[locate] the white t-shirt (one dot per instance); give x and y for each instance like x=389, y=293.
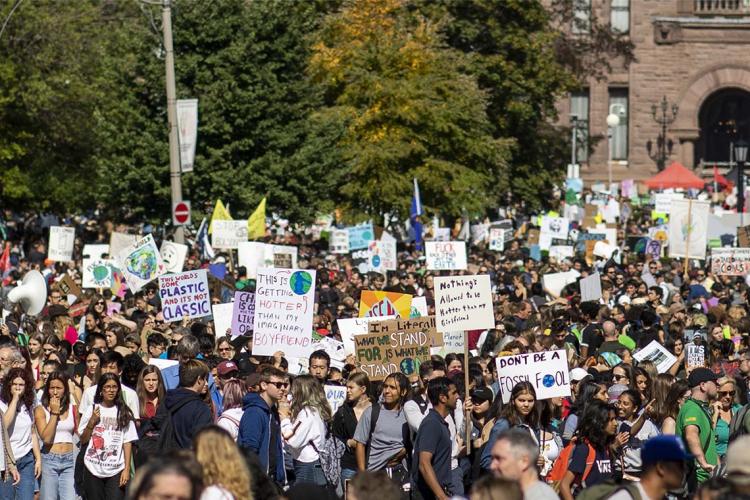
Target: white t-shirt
x=105, y=455
x=128, y=395
x=20, y=431
x=215, y=492
x=230, y=421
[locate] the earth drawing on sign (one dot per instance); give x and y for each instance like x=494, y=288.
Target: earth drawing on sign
x=142, y=263
x=300, y=282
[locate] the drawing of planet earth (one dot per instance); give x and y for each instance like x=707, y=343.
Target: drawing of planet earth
x=300, y=282
x=142, y=263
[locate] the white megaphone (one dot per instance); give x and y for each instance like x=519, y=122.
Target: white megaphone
x=31, y=293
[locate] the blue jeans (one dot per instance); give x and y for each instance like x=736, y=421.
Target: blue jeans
x=57, y=476
x=347, y=474
x=309, y=472
x=24, y=490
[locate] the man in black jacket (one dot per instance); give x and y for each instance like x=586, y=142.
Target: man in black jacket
x=187, y=405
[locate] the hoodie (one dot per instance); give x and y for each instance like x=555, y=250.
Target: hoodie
x=190, y=414
x=255, y=434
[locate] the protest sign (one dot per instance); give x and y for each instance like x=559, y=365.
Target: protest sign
x=280, y=256
x=442, y=234
x=591, y=288
x=380, y=354
x=336, y=396
x=730, y=261
x=425, y=324
x=61, y=241
x=349, y=327
x=452, y=342
x=97, y=273
x=284, y=301
x=335, y=349
x=696, y=356
x=555, y=227
x=243, y=311
x=184, y=295
x=720, y=225
x=497, y=239
x=418, y=307
x=383, y=256
x=69, y=288
x=604, y=250
x=743, y=236
x=445, y=255
x=251, y=255
x=282, y=261
x=360, y=236
x=663, y=202
x=141, y=263
x=463, y=303
x=555, y=282
x=547, y=371
x=173, y=254
x=228, y=234
x=695, y=213
x=222, y=314
x=339, y=242
x=377, y=303
x=119, y=242
x=653, y=248
x=660, y=356
x=561, y=252
x=95, y=251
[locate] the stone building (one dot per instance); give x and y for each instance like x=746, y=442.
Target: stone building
x=694, y=53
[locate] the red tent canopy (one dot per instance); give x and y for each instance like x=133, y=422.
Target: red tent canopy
x=675, y=176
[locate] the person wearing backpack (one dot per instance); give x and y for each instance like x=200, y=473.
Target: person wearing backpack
x=303, y=427
x=185, y=407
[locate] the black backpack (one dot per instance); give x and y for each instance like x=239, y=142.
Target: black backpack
x=167, y=436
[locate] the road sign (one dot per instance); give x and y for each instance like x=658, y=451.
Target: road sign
x=181, y=213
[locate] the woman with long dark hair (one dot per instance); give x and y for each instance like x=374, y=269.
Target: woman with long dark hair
x=92, y=363
x=678, y=394
x=107, y=429
x=519, y=412
x=596, y=434
x=55, y=421
x=151, y=391
x=36, y=355
x=346, y=418
x=17, y=403
x=588, y=391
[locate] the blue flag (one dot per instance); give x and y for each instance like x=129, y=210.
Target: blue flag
x=202, y=242
x=414, y=215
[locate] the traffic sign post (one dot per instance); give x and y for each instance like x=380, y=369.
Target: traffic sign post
x=181, y=213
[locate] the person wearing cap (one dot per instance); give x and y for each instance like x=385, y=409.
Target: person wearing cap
x=663, y=469
x=738, y=467
x=694, y=423
x=226, y=371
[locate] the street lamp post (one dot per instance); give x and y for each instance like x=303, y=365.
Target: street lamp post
x=663, y=144
x=740, y=155
x=612, y=121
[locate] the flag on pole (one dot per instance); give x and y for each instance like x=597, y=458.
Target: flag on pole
x=202, y=242
x=220, y=213
x=414, y=214
x=256, y=223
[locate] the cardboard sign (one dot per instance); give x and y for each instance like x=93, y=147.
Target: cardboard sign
x=695, y=356
x=173, y=254
x=243, y=312
x=424, y=324
x=743, y=236
x=228, y=234
x=284, y=302
x=349, y=327
x=380, y=354
x=377, y=303
x=383, y=256
x=184, y=295
x=547, y=371
x=591, y=288
x=282, y=260
x=336, y=396
x=463, y=303
x=656, y=353
x=497, y=239
x=445, y=255
x=69, y=288
x=61, y=242
x=339, y=242
x=533, y=237
x=119, y=242
x=222, y=314
x=95, y=251
x=360, y=236
x=730, y=261
x=141, y=263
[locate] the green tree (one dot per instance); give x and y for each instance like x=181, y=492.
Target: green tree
x=400, y=106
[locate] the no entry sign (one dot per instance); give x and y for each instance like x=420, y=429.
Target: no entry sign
x=181, y=213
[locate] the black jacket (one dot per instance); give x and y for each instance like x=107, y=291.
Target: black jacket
x=189, y=414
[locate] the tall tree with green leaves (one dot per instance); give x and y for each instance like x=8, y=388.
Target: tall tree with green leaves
x=403, y=107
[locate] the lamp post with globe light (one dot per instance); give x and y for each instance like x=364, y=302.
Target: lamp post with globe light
x=613, y=120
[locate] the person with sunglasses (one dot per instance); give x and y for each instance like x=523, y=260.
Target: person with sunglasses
x=724, y=409
x=260, y=425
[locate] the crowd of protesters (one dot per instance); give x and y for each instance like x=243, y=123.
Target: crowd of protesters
x=92, y=407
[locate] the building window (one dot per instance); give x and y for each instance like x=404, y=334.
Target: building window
x=618, y=104
x=579, y=107
x=619, y=16
x=581, y=16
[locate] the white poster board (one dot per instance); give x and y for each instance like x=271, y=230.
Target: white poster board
x=61, y=242
x=555, y=227
x=547, y=371
x=696, y=213
x=228, y=234
x=658, y=354
x=95, y=251
x=445, y=255
x=497, y=239
x=383, y=257
x=173, y=254
x=284, y=302
x=463, y=303
x=591, y=288
x=185, y=295
x=222, y=314
x=349, y=327
x=336, y=396
x=97, y=273
x=251, y=255
x=555, y=282
x=119, y=242
x=141, y=263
